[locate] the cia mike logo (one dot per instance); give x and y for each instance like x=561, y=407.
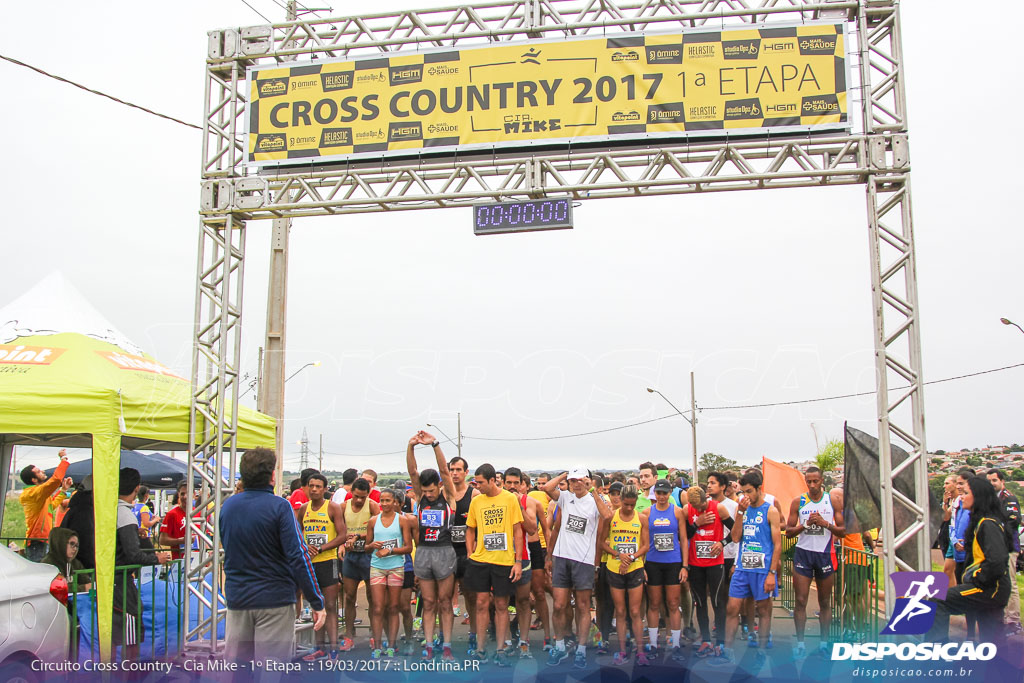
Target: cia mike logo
x=916, y=592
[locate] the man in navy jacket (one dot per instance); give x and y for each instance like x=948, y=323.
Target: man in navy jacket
x=264, y=562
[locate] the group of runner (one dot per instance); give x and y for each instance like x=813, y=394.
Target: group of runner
x=638, y=548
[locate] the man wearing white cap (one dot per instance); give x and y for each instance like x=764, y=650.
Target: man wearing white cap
x=571, y=559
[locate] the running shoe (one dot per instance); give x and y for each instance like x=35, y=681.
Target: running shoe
x=604, y=648
x=438, y=640
x=580, y=660
x=752, y=638
x=727, y=658
x=824, y=648
x=651, y=650
x=465, y=618
x=428, y=652
x=501, y=660
x=346, y=645
x=472, y=644
x=642, y=660
x=620, y=658
x=524, y=651
x=799, y=652
x=706, y=649
x=510, y=648
x=389, y=653
x=771, y=642
x=314, y=656
x=417, y=624
x=536, y=625
x=677, y=654
x=455, y=611
x=375, y=654
x=477, y=656
x=548, y=644
x=556, y=656
x=446, y=655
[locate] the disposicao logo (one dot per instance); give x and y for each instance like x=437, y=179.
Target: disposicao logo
x=914, y=614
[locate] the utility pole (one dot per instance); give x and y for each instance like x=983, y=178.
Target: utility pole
x=304, y=457
x=270, y=398
x=693, y=426
x=459, y=442
x=321, y=468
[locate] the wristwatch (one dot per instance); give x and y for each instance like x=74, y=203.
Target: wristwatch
x=435, y=444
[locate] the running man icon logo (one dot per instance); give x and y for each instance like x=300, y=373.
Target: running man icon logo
x=916, y=592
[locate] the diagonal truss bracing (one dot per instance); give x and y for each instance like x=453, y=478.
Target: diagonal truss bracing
x=875, y=154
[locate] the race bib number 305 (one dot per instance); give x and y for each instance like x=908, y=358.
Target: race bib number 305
x=495, y=542
x=576, y=525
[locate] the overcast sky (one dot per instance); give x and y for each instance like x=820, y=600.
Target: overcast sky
x=765, y=295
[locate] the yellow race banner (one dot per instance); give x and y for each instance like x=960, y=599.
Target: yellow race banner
x=753, y=81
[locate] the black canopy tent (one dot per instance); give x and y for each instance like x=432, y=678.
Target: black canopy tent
x=158, y=471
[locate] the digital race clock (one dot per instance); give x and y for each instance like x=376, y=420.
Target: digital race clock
x=540, y=214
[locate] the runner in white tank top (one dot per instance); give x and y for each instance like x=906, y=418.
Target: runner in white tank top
x=816, y=517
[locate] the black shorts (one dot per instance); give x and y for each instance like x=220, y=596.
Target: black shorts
x=489, y=578
x=538, y=555
x=628, y=580
x=461, y=562
x=409, y=580
x=326, y=573
x=663, y=573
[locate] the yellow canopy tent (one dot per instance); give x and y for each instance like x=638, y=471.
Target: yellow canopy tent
x=69, y=379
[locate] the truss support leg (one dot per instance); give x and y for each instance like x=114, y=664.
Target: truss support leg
x=213, y=425
x=898, y=364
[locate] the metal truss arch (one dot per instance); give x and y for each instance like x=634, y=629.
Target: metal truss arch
x=875, y=155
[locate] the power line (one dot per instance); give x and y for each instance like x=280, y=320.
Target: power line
x=257, y=12
x=373, y=455
x=742, y=407
x=97, y=92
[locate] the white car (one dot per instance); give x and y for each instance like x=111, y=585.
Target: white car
x=34, y=624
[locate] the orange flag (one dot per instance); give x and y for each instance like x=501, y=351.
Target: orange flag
x=783, y=482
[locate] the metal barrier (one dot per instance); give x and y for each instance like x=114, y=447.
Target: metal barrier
x=856, y=600
x=20, y=542
x=172, y=575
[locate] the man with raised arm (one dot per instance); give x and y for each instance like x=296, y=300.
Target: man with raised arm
x=435, y=561
x=572, y=557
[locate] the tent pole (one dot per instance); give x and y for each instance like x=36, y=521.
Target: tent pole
x=6, y=457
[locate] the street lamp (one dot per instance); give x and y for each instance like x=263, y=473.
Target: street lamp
x=693, y=421
x=1006, y=321
x=458, y=444
x=314, y=363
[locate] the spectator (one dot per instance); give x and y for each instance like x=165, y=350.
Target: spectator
x=127, y=623
x=986, y=582
x=63, y=555
x=172, y=531
x=1011, y=513
x=264, y=560
x=79, y=519
x=39, y=501
x=144, y=515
